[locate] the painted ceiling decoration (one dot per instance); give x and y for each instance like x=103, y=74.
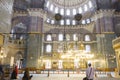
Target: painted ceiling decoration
x=68, y=3
x=5, y=15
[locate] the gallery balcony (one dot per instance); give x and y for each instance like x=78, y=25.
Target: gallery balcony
x=17, y=43
x=116, y=43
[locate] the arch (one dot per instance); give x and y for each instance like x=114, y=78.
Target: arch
x=90, y=4
x=49, y=37
x=56, y=9
x=18, y=28
x=47, y=4
x=48, y=48
x=19, y=59
x=68, y=12
x=88, y=48
x=51, y=7
x=75, y=37
x=62, y=22
x=87, y=37
x=67, y=21
x=73, y=22
x=60, y=37
x=80, y=10
x=85, y=7
x=62, y=11
x=67, y=37
x=19, y=19
x=74, y=11
x=19, y=55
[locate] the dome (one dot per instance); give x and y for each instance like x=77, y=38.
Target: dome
x=68, y=9
x=68, y=3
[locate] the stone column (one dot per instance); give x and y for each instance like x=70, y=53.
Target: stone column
x=35, y=38
x=33, y=49
x=103, y=19
x=109, y=51
x=34, y=42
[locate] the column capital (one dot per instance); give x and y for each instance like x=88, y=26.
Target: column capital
x=37, y=12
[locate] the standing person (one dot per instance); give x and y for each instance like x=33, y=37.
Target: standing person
x=26, y=75
x=16, y=69
x=1, y=73
x=90, y=72
x=14, y=74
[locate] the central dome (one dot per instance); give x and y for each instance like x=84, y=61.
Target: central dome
x=69, y=3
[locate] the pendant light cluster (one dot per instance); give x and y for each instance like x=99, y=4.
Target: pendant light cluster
x=77, y=17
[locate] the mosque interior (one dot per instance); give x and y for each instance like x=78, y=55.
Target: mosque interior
x=60, y=34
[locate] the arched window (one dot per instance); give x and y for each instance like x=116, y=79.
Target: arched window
x=60, y=48
x=21, y=37
x=60, y=37
x=62, y=11
x=74, y=12
x=67, y=12
x=75, y=38
x=14, y=36
x=67, y=22
x=12, y=31
x=49, y=37
x=83, y=22
x=87, y=48
x=48, y=20
x=80, y=10
x=52, y=22
x=90, y=4
x=51, y=7
x=73, y=22
x=88, y=20
x=48, y=48
x=87, y=38
x=60, y=64
x=62, y=22
x=85, y=8
x=67, y=37
x=56, y=9
x=48, y=64
x=48, y=3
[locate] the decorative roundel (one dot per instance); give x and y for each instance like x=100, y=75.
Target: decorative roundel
x=78, y=17
x=58, y=17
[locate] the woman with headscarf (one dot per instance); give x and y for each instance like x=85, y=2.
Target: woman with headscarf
x=26, y=75
x=14, y=74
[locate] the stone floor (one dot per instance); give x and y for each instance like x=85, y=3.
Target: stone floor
x=69, y=76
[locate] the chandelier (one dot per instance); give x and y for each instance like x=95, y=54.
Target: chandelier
x=75, y=52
